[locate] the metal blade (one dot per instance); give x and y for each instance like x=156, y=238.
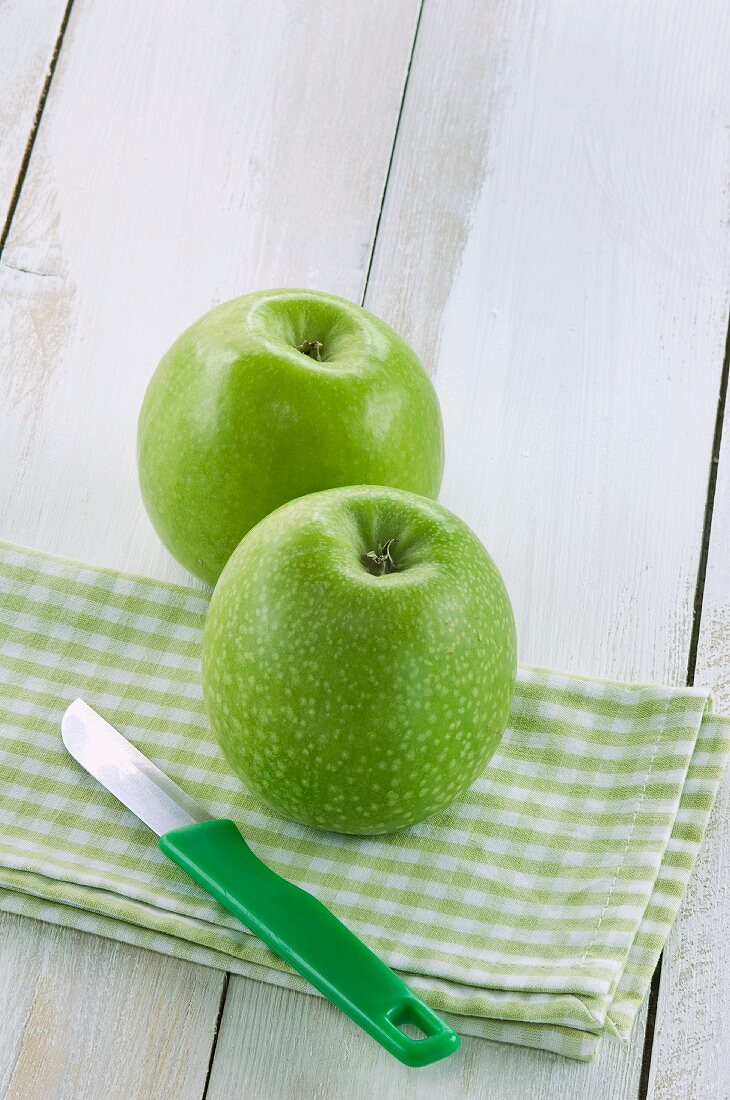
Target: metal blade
x=124, y=771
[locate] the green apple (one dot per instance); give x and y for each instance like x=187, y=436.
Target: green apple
x=272, y=396
x=359, y=659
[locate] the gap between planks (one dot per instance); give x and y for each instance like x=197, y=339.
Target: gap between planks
x=646, y=1064
x=216, y=1033
x=391, y=158
x=647, y=1055
x=28, y=151
x=709, y=510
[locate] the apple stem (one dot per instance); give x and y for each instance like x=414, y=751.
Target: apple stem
x=382, y=559
x=312, y=348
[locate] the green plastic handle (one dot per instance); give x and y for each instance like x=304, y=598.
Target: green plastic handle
x=303, y=932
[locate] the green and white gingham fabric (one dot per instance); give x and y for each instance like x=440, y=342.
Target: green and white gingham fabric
x=533, y=911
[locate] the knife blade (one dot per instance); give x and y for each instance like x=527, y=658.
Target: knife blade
x=292, y=922
x=126, y=772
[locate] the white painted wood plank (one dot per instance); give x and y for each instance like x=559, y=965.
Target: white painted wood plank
x=571, y=299
x=279, y=1044
x=28, y=33
x=88, y=1019
x=187, y=153
x=554, y=241
x=691, y=1053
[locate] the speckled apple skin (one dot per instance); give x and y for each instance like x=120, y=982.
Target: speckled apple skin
x=236, y=421
x=354, y=702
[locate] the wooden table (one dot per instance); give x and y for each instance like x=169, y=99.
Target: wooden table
x=535, y=194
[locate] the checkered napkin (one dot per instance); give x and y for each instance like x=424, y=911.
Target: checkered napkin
x=533, y=911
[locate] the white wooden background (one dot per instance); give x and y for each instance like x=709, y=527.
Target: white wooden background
x=535, y=193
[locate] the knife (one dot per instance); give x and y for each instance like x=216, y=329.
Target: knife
x=292, y=922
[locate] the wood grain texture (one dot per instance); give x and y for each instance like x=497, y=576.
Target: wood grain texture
x=278, y=1044
x=576, y=333
x=187, y=153
x=87, y=1019
x=691, y=1054
x=554, y=242
x=28, y=33
x=185, y=156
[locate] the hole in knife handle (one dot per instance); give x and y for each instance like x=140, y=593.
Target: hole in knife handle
x=412, y=1031
x=414, y=1020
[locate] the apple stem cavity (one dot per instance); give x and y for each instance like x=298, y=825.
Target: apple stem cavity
x=379, y=562
x=312, y=348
